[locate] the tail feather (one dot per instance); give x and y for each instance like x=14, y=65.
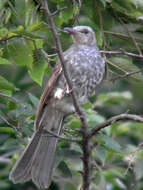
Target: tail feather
x=45, y=156
x=37, y=160
x=21, y=171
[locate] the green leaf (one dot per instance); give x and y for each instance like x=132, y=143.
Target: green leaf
x=75, y=124
x=110, y=144
x=113, y=98
x=63, y=167
x=19, y=52
x=36, y=27
x=93, y=118
x=124, y=65
x=4, y=61
x=7, y=130
x=34, y=100
x=4, y=185
x=39, y=66
x=69, y=186
x=39, y=43
x=6, y=85
x=138, y=169
x=3, y=32
x=101, y=154
x=65, y=15
x=12, y=105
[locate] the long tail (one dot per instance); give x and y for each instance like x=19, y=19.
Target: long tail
x=37, y=160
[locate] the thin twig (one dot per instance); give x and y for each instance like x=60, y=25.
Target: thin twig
x=76, y=16
x=113, y=120
x=51, y=56
x=5, y=39
x=51, y=134
x=12, y=98
x=121, y=35
x=127, y=30
x=58, y=11
x=132, y=157
x=5, y=160
x=122, y=53
x=128, y=74
x=9, y=97
x=131, y=36
x=101, y=25
x=12, y=126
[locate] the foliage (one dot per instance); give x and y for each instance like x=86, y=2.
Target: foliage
x=25, y=43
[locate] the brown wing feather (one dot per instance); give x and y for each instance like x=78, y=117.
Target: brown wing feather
x=46, y=94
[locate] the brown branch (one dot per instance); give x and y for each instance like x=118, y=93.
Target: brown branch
x=51, y=56
x=127, y=30
x=76, y=16
x=5, y=160
x=121, y=35
x=51, y=134
x=8, y=97
x=5, y=39
x=85, y=141
x=12, y=126
x=101, y=25
x=122, y=53
x=57, y=12
x=113, y=120
x=131, y=36
x=11, y=98
x=128, y=74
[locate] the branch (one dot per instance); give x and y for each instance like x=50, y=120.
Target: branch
x=9, y=97
x=51, y=134
x=5, y=160
x=85, y=141
x=127, y=30
x=12, y=126
x=126, y=75
x=122, y=53
x=76, y=15
x=57, y=12
x=113, y=120
x=101, y=25
x=120, y=35
x=109, y=53
x=5, y=39
x=131, y=36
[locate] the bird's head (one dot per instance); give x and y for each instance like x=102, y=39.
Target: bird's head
x=83, y=35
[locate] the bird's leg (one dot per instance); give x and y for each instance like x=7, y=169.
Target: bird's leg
x=68, y=90
x=83, y=114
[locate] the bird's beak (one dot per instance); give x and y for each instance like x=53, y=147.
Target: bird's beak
x=70, y=31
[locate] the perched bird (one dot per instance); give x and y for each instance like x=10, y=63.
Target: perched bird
x=86, y=69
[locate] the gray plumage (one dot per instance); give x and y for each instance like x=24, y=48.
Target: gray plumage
x=86, y=69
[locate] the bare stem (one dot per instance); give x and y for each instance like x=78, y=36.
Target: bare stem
x=122, y=53
x=126, y=75
x=113, y=120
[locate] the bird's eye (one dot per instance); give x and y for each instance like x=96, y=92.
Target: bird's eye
x=85, y=31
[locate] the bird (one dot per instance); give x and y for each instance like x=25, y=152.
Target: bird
x=86, y=69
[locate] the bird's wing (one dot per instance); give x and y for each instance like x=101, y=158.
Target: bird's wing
x=46, y=94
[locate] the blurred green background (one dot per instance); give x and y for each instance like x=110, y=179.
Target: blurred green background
x=26, y=42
